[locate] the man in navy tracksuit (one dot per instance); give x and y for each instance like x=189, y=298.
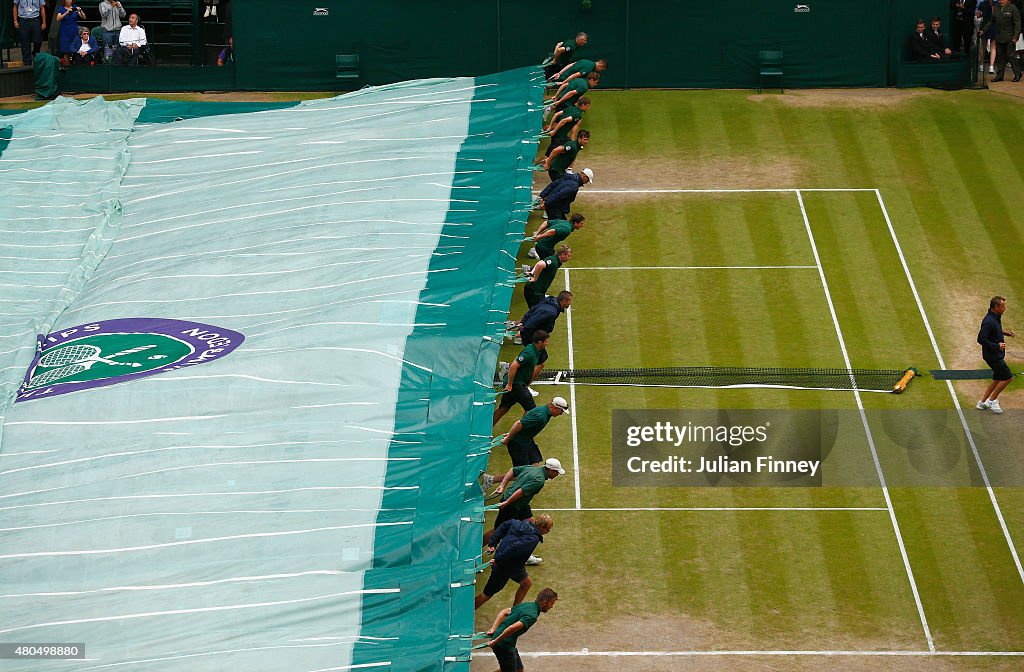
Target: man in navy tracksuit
x=558, y=196
x=543, y=315
x=515, y=541
x=993, y=351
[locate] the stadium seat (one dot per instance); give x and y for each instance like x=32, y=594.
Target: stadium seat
x=347, y=67
x=770, y=66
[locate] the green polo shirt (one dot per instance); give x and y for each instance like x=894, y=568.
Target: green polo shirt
x=583, y=66
x=533, y=422
x=570, y=50
x=527, y=363
x=580, y=85
x=562, y=230
x=541, y=283
x=564, y=160
x=526, y=613
x=531, y=479
x=573, y=113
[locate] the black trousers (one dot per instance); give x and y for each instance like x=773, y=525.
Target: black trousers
x=30, y=31
x=963, y=34
x=1006, y=51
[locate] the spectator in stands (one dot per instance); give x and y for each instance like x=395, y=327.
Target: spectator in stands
x=963, y=25
x=132, y=39
x=938, y=39
x=574, y=89
x=564, y=51
x=227, y=54
x=580, y=68
x=30, y=22
x=512, y=544
x=511, y=624
x=561, y=157
x=111, y=20
x=1006, y=19
x=67, y=17
x=921, y=47
x=557, y=197
x=543, y=274
x=85, y=49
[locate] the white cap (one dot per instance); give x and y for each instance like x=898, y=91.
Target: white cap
x=552, y=463
x=589, y=173
x=561, y=403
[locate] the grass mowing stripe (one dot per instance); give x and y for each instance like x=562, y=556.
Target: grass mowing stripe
x=952, y=392
x=867, y=429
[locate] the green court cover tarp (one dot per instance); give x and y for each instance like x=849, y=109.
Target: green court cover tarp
x=245, y=373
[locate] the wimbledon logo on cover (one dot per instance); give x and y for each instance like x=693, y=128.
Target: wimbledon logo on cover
x=117, y=351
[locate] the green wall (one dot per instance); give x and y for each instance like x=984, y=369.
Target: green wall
x=649, y=43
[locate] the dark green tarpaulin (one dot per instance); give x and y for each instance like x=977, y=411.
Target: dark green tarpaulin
x=46, y=68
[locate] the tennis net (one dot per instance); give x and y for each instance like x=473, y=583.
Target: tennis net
x=867, y=380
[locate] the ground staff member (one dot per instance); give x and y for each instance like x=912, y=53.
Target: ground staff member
x=552, y=232
x=511, y=624
x=562, y=156
x=513, y=545
x=993, y=350
x=557, y=197
x=522, y=372
x=518, y=488
x=1006, y=18
x=520, y=438
x=563, y=52
x=544, y=272
x=544, y=315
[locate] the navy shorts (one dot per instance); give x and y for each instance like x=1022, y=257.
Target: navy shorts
x=513, y=513
x=518, y=395
x=1000, y=371
x=508, y=660
x=524, y=453
x=500, y=576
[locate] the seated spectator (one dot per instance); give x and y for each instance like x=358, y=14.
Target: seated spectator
x=227, y=54
x=920, y=46
x=132, y=40
x=85, y=49
x=938, y=40
x=111, y=21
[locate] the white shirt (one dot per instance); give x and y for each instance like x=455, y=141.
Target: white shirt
x=131, y=35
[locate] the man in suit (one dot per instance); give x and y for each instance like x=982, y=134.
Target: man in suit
x=963, y=24
x=1006, y=19
x=938, y=39
x=921, y=47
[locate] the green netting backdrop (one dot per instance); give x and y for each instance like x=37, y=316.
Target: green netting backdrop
x=308, y=501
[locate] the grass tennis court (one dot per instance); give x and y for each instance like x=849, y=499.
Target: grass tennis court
x=745, y=277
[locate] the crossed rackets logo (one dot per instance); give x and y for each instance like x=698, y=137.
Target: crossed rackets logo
x=63, y=362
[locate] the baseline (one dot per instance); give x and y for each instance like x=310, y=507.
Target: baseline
x=572, y=402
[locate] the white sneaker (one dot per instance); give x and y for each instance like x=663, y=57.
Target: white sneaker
x=991, y=70
x=518, y=340
x=533, y=392
x=527, y=270
x=532, y=254
x=206, y=15
x=213, y=10
x=993, y=405
x=488, y=480
x=982, y=406
x=534, y=560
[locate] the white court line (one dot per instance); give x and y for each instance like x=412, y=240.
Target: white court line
x=730, y=508
x=952, y=392
x=680, y=268
x=867, y=427
x=572, y=402
x=708, y=191
x=682, y=654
